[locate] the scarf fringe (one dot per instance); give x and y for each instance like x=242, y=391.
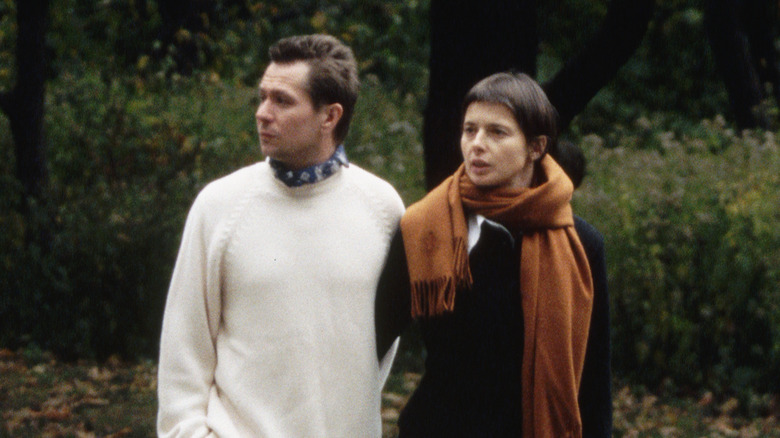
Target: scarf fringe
x=437, y=296
x=431, y=298
x=462, y=268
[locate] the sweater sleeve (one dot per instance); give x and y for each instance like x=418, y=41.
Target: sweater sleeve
x=595, y=397
x=187, y=348
x=393, y=299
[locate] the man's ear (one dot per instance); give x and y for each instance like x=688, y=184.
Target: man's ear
x=537, y=147
x=332, y=114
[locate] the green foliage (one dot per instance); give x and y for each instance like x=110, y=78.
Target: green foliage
x=126, y=160
x=389, y=38
x=687, y=208
x=127, y=157
x=232, y=37
x=389, y=145
x=7, y=43
x=564, y=25
x=672, y=71
x=693, y=253
x=692, y=85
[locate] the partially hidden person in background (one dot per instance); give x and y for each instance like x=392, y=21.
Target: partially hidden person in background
x=268, y=327
x=571, y=159
x=507, y=285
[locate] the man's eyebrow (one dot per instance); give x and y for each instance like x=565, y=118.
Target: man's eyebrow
x=275, y=92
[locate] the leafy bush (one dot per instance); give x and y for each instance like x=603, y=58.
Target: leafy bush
x=689, y=219
x=230, y=38
x=386, y=138
x=688, y=209
x=672, y=70
x=127, y=157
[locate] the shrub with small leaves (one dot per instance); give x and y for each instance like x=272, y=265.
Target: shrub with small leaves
x=693, y=254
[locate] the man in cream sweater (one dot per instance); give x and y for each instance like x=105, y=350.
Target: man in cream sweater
x=269, y=322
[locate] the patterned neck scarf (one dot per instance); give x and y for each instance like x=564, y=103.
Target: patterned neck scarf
x=311, y=174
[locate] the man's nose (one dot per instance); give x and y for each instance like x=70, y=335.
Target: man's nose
x=263, y=114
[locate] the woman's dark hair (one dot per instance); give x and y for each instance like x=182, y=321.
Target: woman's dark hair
x=525, y=98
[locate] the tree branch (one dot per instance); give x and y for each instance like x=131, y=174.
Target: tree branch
x=584, y=75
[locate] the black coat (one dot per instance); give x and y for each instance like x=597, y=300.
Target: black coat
x=472, y=383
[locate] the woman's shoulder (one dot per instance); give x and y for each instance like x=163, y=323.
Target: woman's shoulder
x=420, y=210
x=591, y=238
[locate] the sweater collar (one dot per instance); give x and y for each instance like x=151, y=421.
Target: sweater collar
x=312, y=174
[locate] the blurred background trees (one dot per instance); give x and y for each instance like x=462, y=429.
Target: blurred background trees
x=743, y=35
x=472, y=39
x=126, y=108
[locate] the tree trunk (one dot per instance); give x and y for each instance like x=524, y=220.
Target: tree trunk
x=759, y=19
x=584, y=75
x=733, y=57
x=469, y=40
x=24, y=103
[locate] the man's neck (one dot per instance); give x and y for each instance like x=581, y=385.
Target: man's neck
x=324, y=152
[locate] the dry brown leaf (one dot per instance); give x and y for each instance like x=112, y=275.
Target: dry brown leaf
x=390, y=414
x=394, y=398
x=57, y=414
x=729, y=406
x=100, y=374
x=119, y=434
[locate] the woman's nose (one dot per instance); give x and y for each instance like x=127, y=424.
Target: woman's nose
x=479, y=140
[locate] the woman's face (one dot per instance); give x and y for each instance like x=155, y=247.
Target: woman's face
x=495, y=150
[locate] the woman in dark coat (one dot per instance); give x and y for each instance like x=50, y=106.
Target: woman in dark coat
x=508, y=286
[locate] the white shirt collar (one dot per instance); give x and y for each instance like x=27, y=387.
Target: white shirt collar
x=475, y=222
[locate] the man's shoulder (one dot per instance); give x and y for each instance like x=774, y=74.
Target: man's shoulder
x=373, y=184
x=364, y=175
x=228, y=188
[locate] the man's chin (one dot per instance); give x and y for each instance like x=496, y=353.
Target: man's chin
x=274, y=155
x=270, y=151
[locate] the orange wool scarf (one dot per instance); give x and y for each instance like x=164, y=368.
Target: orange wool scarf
x=555, y=282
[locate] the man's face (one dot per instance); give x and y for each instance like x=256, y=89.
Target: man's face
x=289, y=126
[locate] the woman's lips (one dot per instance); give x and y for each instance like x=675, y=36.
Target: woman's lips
x=478, y=164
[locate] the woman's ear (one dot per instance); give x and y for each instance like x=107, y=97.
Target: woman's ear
x=537, y=147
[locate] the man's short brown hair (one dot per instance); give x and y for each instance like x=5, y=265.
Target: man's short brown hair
x=333, y=74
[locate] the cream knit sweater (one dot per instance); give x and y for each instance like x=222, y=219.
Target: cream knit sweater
x=269, y=322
